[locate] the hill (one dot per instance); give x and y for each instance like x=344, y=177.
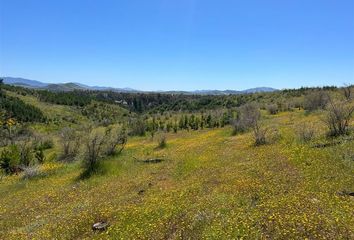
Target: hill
x=211, y=185
x=255, y=166
x=75, y=86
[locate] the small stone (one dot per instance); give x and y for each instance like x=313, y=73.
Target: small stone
x=100, y=226
x=315, y=200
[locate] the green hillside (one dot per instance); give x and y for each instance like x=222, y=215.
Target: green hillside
x=187, y=181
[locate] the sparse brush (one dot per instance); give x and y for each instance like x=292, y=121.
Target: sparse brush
x=26, y=153
x=32, y=172
x=162, y=142
x=272, y=109
x=316, y=100
x=338, y=115
x=93, y=151
x=42, y=142
x=115, y=139
x=305, y=132
x=70, y=143
x=273, y=135
x=260, y=136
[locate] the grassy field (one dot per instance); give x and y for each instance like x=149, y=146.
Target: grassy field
x=211, y=186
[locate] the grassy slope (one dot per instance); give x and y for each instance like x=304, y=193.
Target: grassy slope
x=53, y=111
x=212, y=186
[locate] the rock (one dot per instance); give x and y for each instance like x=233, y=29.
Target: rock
x=346, y=193
x=141, y=192
x=100, y=226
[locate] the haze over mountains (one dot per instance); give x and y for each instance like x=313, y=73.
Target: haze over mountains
x=28, y=83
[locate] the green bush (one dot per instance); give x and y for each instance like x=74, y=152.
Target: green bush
x=39, y=155
x=10, y=159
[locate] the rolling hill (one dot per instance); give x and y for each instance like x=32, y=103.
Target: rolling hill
x=79, y=86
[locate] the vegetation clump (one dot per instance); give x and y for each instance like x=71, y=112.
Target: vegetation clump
x=315, y=100
x=249, y=117
x=162, y=141
x=115, y=139
x=70, y=143
x=305, y=132
x=338, y=116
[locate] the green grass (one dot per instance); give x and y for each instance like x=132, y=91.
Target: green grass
x=211, y=186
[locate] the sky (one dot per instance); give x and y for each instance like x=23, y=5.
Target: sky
x=179, y=44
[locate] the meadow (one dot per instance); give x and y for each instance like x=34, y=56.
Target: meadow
x=211, y=185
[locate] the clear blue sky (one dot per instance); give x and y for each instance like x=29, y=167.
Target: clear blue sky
x=179, y=44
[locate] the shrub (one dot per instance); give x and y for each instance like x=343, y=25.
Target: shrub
x=260, y=135
x=93, y=149
x=70, y=143
x=348, y=92
x=10, y=159
x=162, y=142
x=26, y=154
x=272, y=135
x=137, y=127
x=338, y=116
x=240, y=124
x=314, y=100
x=31, y=172
x=39, y=155
x=305, y=132
x=115, y=136
x=248, y=117
x=272, y=109
x=42, y=143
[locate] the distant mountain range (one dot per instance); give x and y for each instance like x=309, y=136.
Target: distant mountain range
x=22, y=82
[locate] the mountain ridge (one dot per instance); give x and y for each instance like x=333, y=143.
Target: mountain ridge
x=71, y=86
